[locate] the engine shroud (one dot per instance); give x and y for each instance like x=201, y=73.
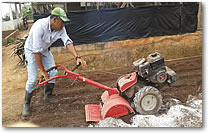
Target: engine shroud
x=153, y=68
x=127, y=81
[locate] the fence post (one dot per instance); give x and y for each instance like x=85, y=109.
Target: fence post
x=199, y=25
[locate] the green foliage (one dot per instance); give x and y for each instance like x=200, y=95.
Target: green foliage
x=4, y=119
x=14, y=14
x=11, y=39
x=27, y=10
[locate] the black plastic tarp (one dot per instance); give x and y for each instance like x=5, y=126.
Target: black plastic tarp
x=189, y=17
x=129, y=23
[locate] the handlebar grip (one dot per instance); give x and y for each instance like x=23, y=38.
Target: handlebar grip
x=42, y=77
x=77, y=66
x=54, y=67
x=42, y=80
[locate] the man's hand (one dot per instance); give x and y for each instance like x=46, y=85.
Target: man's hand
x=45, y=75
x=72, y=50
x=38, y=60
x=79, y=60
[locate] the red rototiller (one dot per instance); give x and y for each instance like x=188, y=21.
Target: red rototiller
x=137, y=92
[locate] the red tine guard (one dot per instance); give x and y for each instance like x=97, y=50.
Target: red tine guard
x=41, y=82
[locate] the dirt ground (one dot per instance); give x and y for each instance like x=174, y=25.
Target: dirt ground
x=69, y=111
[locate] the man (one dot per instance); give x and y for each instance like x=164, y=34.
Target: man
x=38, y=56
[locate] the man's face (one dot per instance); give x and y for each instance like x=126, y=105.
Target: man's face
x=58, y=24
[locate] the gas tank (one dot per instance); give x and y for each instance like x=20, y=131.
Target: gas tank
x=127, y=81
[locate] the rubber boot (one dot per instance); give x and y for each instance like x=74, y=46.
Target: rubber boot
x=48, y=90
x=26, y=106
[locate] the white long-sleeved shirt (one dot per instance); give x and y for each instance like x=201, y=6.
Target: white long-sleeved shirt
x=41, y=38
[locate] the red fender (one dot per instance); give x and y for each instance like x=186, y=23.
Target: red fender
x=114, y=106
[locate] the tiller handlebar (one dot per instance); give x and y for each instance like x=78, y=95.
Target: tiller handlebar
x=75, y=76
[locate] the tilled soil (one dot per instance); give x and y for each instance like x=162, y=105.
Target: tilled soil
x=70, y=109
